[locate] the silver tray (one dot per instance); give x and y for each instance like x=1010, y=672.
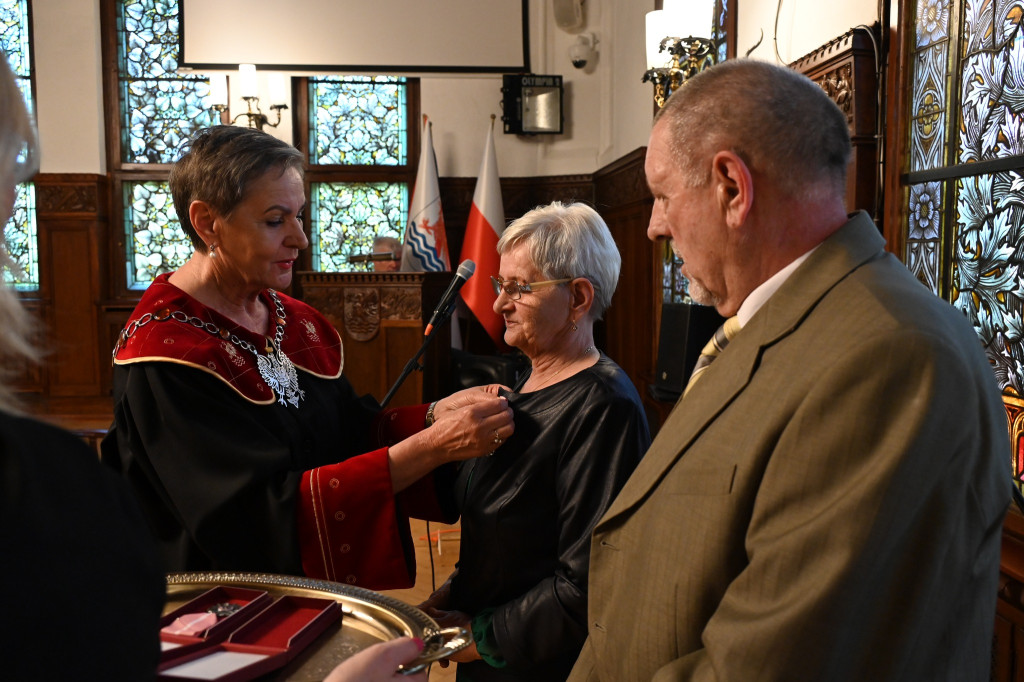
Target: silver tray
x=368, y=617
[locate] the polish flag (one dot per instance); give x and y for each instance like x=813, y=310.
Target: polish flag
x=485, y=225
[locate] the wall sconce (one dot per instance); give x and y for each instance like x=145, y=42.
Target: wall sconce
x=582, y=51
x=255, y=118
x=677, y=31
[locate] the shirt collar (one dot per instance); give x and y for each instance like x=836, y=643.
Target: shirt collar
x=759, y=296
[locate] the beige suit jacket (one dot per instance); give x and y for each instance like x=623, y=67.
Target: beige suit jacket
x=825, y=504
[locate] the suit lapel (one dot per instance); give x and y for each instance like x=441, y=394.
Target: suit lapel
x=851, y=246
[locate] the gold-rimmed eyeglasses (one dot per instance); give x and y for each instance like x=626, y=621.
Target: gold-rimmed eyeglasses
x=515, y=290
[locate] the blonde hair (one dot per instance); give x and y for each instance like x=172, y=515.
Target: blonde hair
x=19, y=161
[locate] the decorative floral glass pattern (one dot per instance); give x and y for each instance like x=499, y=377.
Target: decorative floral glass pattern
x=154, y=239
x=988, y=232
x=348, y=216
x=992, y=81
x=924, y=214
x=358, y=121
x=20, y=235
x=160, y=109
x=928, y=107
x=986, y=277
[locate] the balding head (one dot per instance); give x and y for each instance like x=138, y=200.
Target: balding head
x=779, y=122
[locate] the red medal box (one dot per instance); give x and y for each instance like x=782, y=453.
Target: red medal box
x=269, y=640
x=243, y=603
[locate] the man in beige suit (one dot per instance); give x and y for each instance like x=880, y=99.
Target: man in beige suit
x=826, y=502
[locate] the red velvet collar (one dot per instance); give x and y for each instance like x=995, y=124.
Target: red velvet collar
x=168, y=325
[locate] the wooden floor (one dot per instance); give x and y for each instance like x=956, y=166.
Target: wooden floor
x=444, y=554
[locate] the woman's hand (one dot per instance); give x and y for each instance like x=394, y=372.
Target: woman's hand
x=451, y=619
x=446, y=407
x=474, y=429
x=380, y=662
x=473, y=423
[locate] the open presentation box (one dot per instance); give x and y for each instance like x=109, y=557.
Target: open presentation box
x=267, y=641
x=248, y=601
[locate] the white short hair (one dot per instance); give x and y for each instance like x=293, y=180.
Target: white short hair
x=568, y=241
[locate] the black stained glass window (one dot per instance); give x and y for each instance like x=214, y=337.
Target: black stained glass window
x=20, y=236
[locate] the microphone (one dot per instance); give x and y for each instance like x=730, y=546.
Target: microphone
x=443, y=309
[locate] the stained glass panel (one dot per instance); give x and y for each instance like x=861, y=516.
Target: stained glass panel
x=358, y=121
x=985, y=276
x=992, y=90
x=159, y=107
x=925, y=216
x=347, y=216
x=20, y=235
x=928, y=121
x=154, y=240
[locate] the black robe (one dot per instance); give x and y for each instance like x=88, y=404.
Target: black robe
x=230, y=478
x=83, y=589
x=528, y=511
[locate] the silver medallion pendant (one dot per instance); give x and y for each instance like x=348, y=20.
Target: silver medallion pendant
x=279, y=373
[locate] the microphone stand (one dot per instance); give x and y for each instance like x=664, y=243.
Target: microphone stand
x=413, y=363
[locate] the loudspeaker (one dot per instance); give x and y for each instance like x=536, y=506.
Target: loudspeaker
x=479, y=370
x=685, y=329
x=568, y=14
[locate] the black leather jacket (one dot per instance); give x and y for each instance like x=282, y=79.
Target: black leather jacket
x=528, y=512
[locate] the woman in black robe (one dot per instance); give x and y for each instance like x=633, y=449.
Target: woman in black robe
x=528, y=510
x=245, y=445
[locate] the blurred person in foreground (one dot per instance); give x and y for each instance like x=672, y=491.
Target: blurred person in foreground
x=528, y=509
x=247, y=448
x=83, y=585
x=826, y=502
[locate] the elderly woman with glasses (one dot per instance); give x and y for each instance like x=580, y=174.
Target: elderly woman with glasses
x=528, y=510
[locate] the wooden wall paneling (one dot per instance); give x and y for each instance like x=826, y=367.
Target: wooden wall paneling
x=381, y=317
x=1008, y=644
x=72, y=215
x=631, y=322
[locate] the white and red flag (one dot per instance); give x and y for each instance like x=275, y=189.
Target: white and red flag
x=426, y=246
x=484, y=227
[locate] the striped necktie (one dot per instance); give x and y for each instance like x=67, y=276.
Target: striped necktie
x=723, y=335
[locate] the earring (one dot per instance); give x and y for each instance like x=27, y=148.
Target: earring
x=574, y=327
x=213, y=250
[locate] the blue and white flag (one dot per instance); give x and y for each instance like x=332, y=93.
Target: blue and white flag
x=426, y=246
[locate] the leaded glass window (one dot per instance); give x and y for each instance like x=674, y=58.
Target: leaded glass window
x=159, y=110
x=156, y=240
x=20, y=236
x=964, y=200
x=965, y=189
x=358, y=124
x=347, y=217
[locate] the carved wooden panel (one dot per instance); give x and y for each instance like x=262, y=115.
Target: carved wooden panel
x=381, y=317
x=845, y=70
